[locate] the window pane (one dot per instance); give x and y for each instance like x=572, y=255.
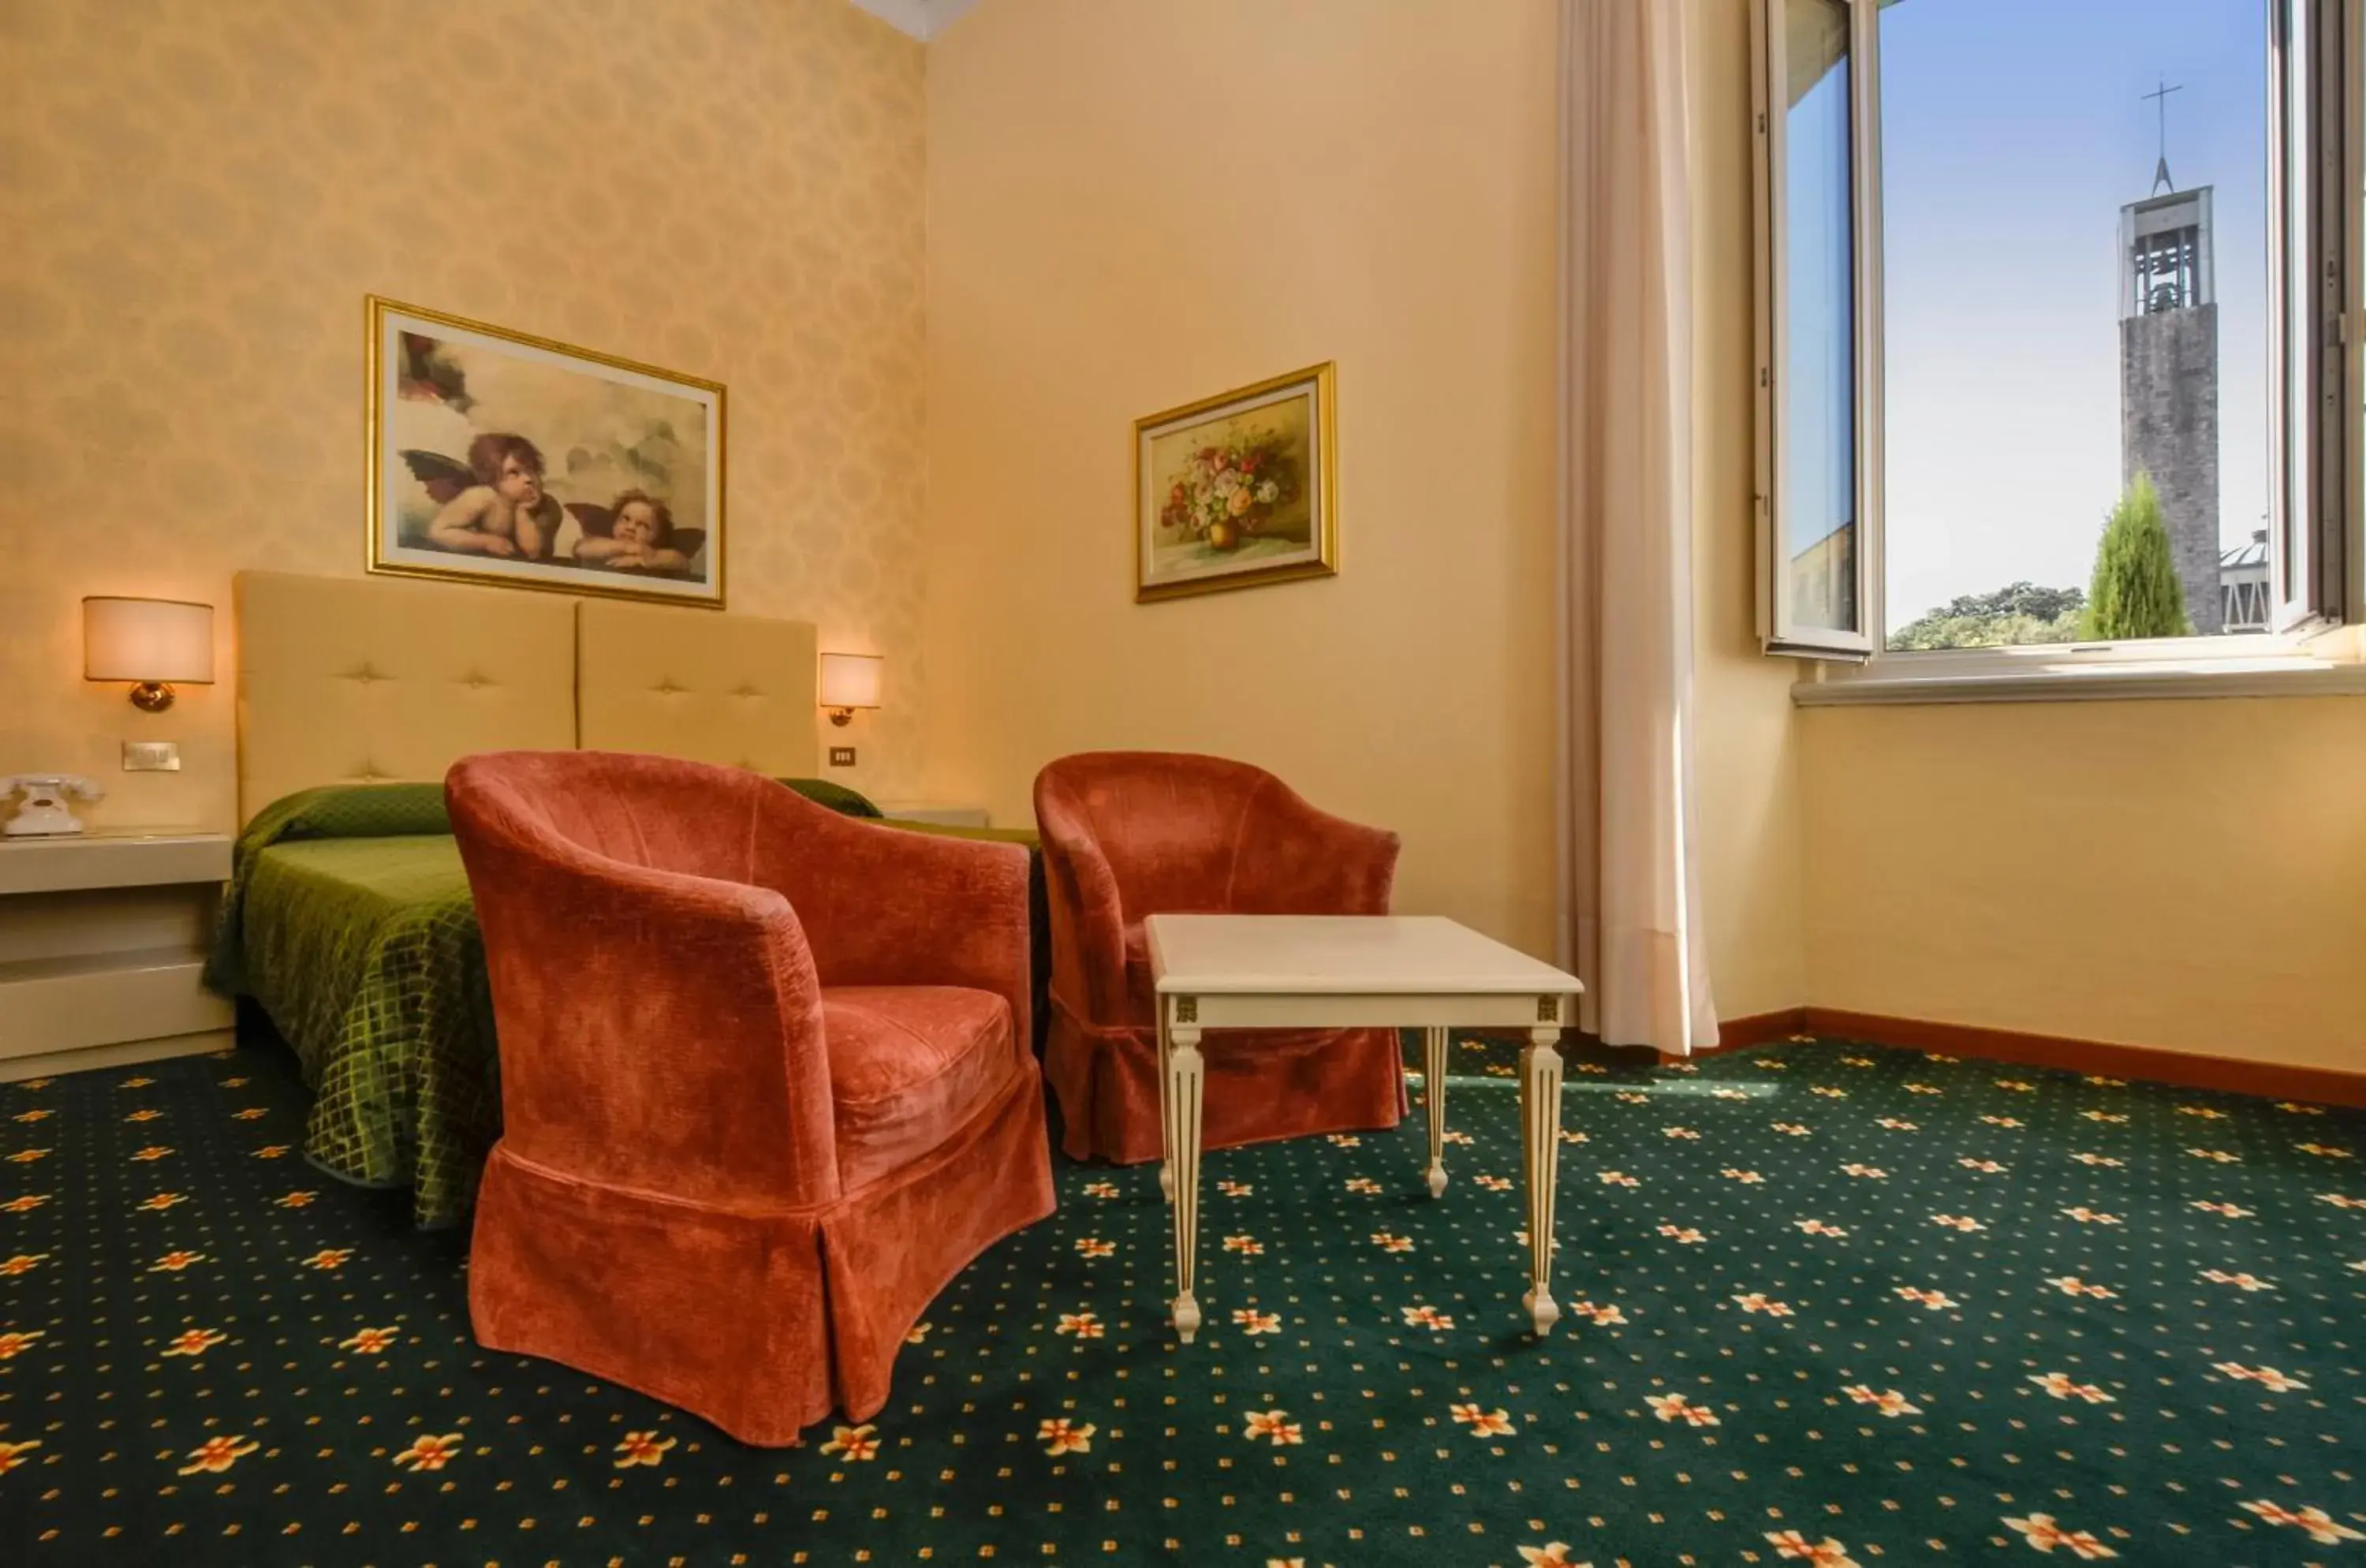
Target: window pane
x=2075, y=368
x=1819, y=435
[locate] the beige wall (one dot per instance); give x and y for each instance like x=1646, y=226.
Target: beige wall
x=1748, y=756
x=1131, y=205
x=2190, y=875
x=198, y=195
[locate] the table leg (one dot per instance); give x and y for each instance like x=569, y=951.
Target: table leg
x=1166, y=1155
x=1541, y=1131
x=1183, y=1077
x=1432, y=1090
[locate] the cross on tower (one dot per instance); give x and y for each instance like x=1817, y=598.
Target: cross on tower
x=2161, y=99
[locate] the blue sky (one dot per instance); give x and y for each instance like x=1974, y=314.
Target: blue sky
x=2012, y=132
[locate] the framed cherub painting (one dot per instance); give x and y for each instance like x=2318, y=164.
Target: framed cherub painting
x=1237, y=490
x=499, y=458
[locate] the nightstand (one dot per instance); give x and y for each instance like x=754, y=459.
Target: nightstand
x=103, y=937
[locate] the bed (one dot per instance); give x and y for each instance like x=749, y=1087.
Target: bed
x=347, y=921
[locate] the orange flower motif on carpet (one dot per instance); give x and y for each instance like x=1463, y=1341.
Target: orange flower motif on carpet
x=1458, y=1137
x=1362, y=1184
x=27, y=1156
x=2322, y=1527
x=854, y=1442
x=2268, y=1378
x=160, y=1201
x=1094, y=1247
x=427, y=1453
x=1083, y=1324
x=2246, y=1282
x=1553, y=1554
x=2060, y=1387
x=2099, y=1116
x=34, y=1115
x=328, y=1257
x=2207, y=1112
x=1757, y=1300
x=1571, y=1135
x=153, y=1151
x=1427, y=1317
x=1387, y=1241
x=173, y=1262
x=1794, y=1129
x=1898, y=1124
x=12, y=1454
x=1820, y=1227
x=1251, y=1321
x=1482, y=1423
x=248, y=1114
x=2087, y=1217
x=2003, y=1120
x=296, y=1200
x=2041, y=1531
x=1888, y=1402
x=1061, y=1435
x=2222, y=1155
x=194, y=1341
x=369, y=1341
x=2341, y=1201
x=1937, y=1301
x=1865, y=1172
x=217, y=1454
x=135, y=1083
x=1925, y=1088
x=1679, y=1133
x=271, y=1151
x=1344, y=1141
x=2107, y=1160
x=2325, y=1151
x=642, y=1448
x=1676, y=1408
x=1984, y=1167
x=1101, y=1189
x=1495, y=1183
x=1824, y=1554
x=26, y=1204
x=20, y=1263
x=1274, y=1425
x=1958, y=1222
x=1605, y=1316
x=14, y=1344
x=1618, y=1179
x=919, y=1332
x=143, y=1116
x=1248, y=1244
x=1683, y=1236
x=2225, y=1210
x=1234, y=1189
x=2071, y=1285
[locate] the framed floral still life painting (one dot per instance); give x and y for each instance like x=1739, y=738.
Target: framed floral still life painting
x=1237, y=490
x=499, y=458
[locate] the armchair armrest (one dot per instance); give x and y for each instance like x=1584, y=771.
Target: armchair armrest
x=658, y=1030
x=1293, y=858
x=1088, y=914
x=884, y=907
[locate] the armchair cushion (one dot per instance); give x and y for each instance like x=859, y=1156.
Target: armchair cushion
x=909, y=1064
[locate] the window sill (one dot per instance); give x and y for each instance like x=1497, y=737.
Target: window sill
x=2296, y=676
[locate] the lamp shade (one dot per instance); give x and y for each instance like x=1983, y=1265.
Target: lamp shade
x=851, y=680
x=147, y=639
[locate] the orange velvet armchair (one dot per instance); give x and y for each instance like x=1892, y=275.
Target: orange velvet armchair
x=1129, y=834
x=766, y=1083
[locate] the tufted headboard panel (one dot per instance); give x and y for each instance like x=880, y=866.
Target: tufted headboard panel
x=684, y=683
x=363, y=679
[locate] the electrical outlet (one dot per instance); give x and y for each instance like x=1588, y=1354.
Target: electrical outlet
x=151, y=757
x=841, y=756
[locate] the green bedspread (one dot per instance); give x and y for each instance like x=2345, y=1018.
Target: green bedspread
x=347, y=920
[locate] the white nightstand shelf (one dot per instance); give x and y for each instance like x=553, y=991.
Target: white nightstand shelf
x=102, y=941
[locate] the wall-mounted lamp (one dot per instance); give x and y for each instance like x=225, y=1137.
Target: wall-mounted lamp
x=849, y=680
x=149, y=642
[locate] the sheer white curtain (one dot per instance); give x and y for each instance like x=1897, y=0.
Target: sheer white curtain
x=1631, y=916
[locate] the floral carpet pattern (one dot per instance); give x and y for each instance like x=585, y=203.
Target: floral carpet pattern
x=1825, y=1305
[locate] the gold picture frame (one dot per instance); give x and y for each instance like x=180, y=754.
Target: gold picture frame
x=1238, y=490
x=459, y=415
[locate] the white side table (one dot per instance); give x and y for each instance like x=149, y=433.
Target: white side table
x=940, y=815
x=1355, y=972
x=102, y=938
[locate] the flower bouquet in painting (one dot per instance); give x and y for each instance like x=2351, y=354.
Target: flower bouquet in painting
x=1228, y=495
x=1235, y=489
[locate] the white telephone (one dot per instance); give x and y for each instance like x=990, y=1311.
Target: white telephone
x=44, y=808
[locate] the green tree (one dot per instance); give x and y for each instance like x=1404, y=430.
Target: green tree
x=2020, y=612
x=2135, y=591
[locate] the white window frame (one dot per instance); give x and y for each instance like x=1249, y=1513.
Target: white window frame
x=2317, y=107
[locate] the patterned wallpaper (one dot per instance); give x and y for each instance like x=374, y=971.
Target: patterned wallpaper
x=199, y=193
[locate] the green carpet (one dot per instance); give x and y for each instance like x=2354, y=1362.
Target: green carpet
x=1827, y=1305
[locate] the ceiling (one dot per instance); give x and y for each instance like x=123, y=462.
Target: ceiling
x=924, y=19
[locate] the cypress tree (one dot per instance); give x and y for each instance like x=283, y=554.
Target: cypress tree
x=2135, y=591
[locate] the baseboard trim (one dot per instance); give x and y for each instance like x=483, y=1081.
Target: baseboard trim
x=2269, y=1080
x=1760, y=1028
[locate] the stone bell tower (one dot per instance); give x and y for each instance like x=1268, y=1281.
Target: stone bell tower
x=2169, y=375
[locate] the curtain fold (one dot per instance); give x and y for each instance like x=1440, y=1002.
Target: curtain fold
x=1630, y=908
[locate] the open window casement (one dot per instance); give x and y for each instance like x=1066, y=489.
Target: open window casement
x=1815, y=112
x=2317, y=178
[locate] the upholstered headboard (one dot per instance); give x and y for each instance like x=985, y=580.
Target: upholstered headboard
x=347, y=680
x=684, y=683
x=361, y=680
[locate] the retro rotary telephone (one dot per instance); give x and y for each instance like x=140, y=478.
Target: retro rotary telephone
x=44, y=808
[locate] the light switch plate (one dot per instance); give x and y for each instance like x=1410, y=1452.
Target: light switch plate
x=151, y=757
x=841, y=756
